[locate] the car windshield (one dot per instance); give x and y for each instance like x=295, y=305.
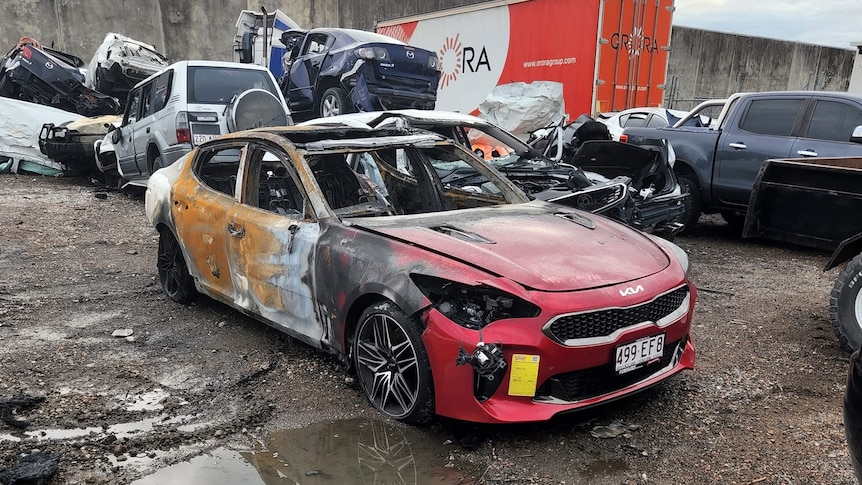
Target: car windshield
x=405, y=180
x=131, y=49
x=217, y=85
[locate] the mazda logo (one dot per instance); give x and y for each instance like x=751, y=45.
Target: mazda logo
x=410, y=55
x=631, y=290
x=49, y=65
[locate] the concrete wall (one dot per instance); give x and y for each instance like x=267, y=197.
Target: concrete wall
x=705, y=64
x=182, y=29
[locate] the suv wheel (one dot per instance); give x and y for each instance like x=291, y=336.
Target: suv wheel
x=334, y=102
x=157, y=164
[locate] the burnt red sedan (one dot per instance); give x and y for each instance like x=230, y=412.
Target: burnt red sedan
x=462, y=300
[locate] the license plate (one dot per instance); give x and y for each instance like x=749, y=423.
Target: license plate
x=633, y=355
x=198, y=139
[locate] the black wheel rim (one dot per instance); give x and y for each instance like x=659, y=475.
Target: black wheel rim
x=387, y=365
x=171, y=265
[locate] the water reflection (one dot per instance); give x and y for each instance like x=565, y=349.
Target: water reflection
x=351, y=451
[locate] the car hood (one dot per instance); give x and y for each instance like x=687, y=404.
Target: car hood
x=541, y=246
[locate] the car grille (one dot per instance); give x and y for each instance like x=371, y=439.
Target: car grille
x=603, y=323
x=595, y=381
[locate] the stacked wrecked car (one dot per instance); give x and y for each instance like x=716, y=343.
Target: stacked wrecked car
x=76, y=106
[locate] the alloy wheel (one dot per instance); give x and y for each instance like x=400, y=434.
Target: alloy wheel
x=388, y=365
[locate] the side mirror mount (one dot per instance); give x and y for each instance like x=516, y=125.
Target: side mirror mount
x=116, y=136
x=856, y=137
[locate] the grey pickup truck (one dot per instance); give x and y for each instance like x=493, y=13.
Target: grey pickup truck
x=719, y=163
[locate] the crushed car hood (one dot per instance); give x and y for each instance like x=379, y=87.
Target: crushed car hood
x=541, y=246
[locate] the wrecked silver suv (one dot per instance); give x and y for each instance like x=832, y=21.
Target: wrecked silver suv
x=119, y=63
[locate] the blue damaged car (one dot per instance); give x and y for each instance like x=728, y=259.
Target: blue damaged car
x=331, y=71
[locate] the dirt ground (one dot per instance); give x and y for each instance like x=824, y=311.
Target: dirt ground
x=763, y=405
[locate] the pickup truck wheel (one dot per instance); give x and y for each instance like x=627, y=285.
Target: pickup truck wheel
x=334, y=102
x=845, y=305
x=692, y=203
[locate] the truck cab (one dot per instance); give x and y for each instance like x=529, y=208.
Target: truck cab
x=719, y=164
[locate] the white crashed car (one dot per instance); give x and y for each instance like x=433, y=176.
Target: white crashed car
x=119, y=63
x=642, y=117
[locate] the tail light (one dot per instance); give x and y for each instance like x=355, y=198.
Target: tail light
x=184, y=135
x=434, y=63
x=624, y=138
x=378, y=53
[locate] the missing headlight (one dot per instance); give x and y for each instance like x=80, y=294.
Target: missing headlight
x=472, y=307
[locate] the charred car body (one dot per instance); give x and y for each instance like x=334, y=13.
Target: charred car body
x=119, y=63
x=632, y=184
x=33, y=73
x=470, y=302
x=333, y=71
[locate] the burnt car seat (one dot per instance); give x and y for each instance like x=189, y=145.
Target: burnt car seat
x=337, y=181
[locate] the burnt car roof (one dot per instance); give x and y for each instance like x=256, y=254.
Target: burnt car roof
x=322, y=137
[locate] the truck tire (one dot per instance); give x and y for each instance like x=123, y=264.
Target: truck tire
x=845, y=305
x=692, y=203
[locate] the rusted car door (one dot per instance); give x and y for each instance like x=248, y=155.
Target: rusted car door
x=201, y=205
x=272, y=251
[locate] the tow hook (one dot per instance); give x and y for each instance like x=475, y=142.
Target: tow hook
x=489, y=365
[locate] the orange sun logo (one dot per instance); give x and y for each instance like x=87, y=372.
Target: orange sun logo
x=450, y=61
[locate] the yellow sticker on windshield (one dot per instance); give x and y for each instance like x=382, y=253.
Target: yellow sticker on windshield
x=523, y=375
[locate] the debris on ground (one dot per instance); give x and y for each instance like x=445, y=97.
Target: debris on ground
x=613, y=429
x=11, y=407
x=33, y=469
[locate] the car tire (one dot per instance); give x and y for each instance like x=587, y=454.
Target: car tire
x=391, y=364
x=692, y=203
x=157, y=164
x=845, y=305
x=174, y=275
x=333, y=102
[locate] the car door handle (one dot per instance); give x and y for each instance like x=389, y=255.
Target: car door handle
x=231, y=228
x=738, y=146
x=293, y=230
x=807, y=153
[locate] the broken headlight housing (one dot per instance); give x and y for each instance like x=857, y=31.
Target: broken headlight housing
x=472, y=307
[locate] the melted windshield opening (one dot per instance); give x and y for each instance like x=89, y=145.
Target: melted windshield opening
x=404, y=181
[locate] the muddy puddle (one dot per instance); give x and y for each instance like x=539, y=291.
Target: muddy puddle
x=351, y=451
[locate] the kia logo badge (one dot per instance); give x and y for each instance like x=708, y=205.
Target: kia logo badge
x=410, y=55
x=631, y=290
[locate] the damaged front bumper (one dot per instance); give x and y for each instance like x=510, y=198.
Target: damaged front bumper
x=520, y=373
x=69, y=147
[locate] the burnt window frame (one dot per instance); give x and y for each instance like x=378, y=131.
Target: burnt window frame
x=250, y=195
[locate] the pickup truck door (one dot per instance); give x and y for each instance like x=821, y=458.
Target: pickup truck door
x=827, y=131
x=761, y=129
